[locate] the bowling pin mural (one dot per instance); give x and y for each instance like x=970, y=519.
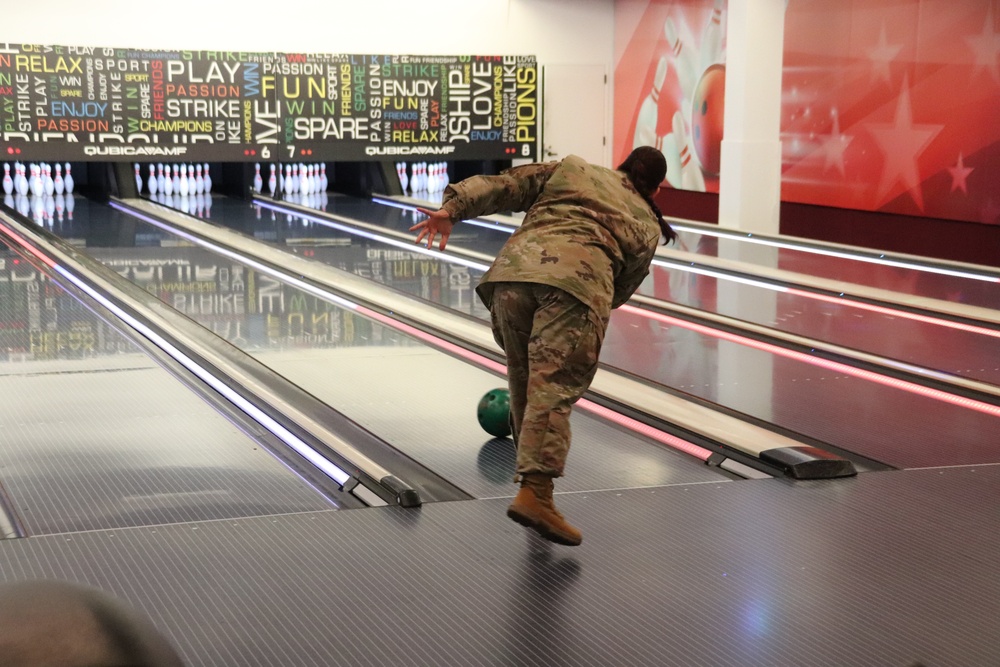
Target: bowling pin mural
x=683, y=60
x=649, y=112
x=710, y=52
x=691, y=176
x=695, y=53
x=668, y=146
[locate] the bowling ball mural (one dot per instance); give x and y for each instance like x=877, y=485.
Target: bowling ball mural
x=707, y=118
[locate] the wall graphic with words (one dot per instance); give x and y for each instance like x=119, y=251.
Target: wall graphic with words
x=86, y=103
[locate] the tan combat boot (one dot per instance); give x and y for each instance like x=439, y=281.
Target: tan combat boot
x=533, y=508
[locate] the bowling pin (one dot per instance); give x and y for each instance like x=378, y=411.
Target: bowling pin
x=404, y=178
x=649, y=111
x=208, y=180
x=305, y=182
x=191, y=181
x=183, y=182
x=258, y=182
x=683, y=60
x=161, y=181
x=138, y=180
x=151, y=182
x=199, y=180
x=58, y=182
x=68, y=179
x=323, y=182
x=668, y=146
x=168, y=181
x=37, y=187
x=47, y=183
x=20, y=182
x=8, y=182
x=691, y=176
x=272, y=182
x=711, y=39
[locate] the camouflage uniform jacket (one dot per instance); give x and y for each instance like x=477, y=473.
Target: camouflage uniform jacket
x=587, y=231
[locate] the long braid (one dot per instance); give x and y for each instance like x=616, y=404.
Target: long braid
x=669, y=235
x=646, y=168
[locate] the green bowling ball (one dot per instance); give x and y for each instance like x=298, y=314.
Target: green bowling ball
x=494, y=412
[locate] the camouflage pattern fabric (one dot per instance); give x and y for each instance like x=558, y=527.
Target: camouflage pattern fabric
x=587, y=231
x=552, y=341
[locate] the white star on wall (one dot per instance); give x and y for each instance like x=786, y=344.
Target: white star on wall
x=986, y=47
x=834, y=146
x=958, y=175
x=902, y=142
x=883, y=54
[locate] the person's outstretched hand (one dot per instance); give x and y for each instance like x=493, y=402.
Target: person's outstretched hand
x=437, y=222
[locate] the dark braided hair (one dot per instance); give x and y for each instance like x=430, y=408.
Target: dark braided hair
x=646, y=168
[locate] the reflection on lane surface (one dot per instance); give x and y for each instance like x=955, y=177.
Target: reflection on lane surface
x=95, y=435
x=389, y=383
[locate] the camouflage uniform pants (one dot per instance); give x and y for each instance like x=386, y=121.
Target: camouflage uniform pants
x=552, y=341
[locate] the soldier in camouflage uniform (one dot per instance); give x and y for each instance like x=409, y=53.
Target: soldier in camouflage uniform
x=583, y=248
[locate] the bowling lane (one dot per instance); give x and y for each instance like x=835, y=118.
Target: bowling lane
x=875, y=417
x=937, y=345
x=95, y=435
x=924, y=277
x=420, y=400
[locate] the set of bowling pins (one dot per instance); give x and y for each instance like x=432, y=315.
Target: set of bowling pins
x=174, y=179
x=291, y=179
x=39, y=191
x=689, y=61
x=41, y=181
x=422, y=178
